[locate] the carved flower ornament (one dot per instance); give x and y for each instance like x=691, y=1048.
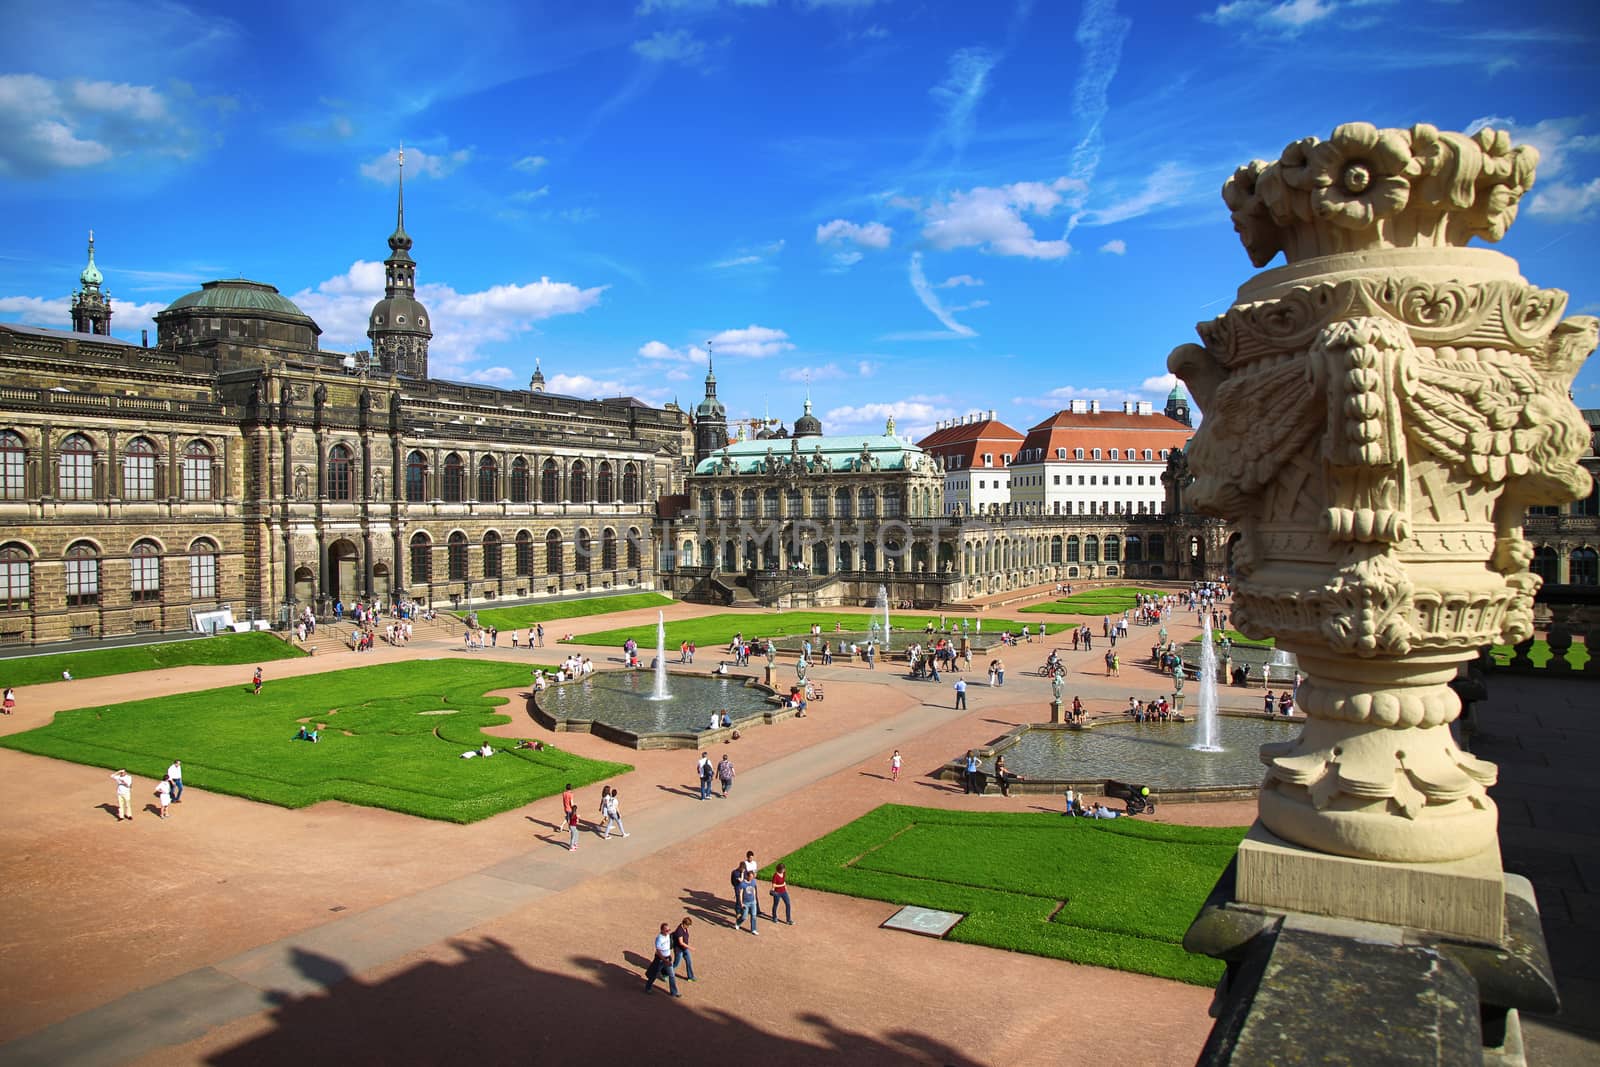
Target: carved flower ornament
x=1366, y=188
x=1359, y=176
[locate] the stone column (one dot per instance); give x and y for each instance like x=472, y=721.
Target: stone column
x=1380, y=412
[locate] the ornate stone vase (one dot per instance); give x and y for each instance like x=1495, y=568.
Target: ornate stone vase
x=1379, y=414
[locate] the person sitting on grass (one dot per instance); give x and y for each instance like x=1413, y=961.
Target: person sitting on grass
x=312, y=736
x=302, y=735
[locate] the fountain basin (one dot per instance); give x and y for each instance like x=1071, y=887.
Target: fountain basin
x=1159, y=755
x=794, y=643
x=1283, y=662
x=618, y=706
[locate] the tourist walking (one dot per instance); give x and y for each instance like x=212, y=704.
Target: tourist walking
x=175, y=776
x=725, y=773
x=961, y=693
x=749, y=903
x=613, y=815
x=999, y=672
x=10, y=703
x=572, y=829
x=706, y=773
x=538, y=636
x=124, y=782
x=972, y=772
x=256, y=682
x=163, y=797
x=680, y=949
x=661, y=963
x=894, y=765
x=780, y=891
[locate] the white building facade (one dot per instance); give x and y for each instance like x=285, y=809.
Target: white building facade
x=1085, y=461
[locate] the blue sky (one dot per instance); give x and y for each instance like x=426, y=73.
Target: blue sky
x=931, y=207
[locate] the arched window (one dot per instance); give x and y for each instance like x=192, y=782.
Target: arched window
x=454, y=477
x=144, y=567
x=708, y=504
x=634, y=553
x=725, y=504
x=421, y=559
x=608, y=549
x=203, y=569
x=196, y=471
x=584, y=551
x=339, y=473
x=550, y=485
x=13, y=465
x=630, y=484
x=747, y=504
x=792, y=503
x=83, y=575
x=456, y=556
x=869, y=507
x=416, y=477
x=769, y=504
x=1158, y=547
x=554, y=558
x=1091, y=549
x=891, y=504
x=578, y=483
x=1544, y=563
x=1055, y=549
x=524, y=553
x=139, y=470
x=842, y=509
x=519, y=481
x=819, y=505
x=16, y=578
x=491, y=554
x=603, y=483
x=1113, y=550
x=1073, y=549
x=1584, y=568
x=1135, y=549
x=488, y=479
x=75, y=475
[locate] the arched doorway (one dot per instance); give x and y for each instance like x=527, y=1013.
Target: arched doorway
x=344, y=582
x=305, y=585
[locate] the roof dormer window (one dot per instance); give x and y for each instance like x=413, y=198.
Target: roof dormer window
x=1096, y=453
x=1061, y=453
x=1113, y=455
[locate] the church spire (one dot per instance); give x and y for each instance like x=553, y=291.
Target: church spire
x=398, y=326
x=91, y=305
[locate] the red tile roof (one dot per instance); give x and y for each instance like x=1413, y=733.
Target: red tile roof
x=964, y=444
x=1104, y=430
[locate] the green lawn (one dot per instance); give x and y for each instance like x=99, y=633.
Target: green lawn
x=711, y=631
x=379, y=746
x=1111, y=601
x=254, y=647
x=1115, y=893
x=524, y=616
x=1577, y=655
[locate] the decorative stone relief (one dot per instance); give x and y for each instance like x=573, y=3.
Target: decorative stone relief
x=1379, y=415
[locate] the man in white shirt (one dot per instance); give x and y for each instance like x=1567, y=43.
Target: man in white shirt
x=175, y=776
x=124, y=782
x=661, y=964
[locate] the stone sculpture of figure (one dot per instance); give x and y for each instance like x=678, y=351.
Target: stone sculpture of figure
x=1177, y=677
x=302, y=483
x=772, y=653
x=800, y=666
x=1056, y=685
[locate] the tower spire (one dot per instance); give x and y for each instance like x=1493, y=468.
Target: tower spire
x=400, y=208
x=91, y=305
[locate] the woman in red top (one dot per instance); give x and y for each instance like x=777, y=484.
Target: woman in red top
x=780, y=891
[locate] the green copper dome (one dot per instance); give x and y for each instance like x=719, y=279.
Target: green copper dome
x=91, y=276
x=238, y=295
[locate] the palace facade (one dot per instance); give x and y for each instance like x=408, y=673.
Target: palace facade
x=235, y=464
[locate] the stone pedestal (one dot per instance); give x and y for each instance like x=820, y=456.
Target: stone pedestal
x=770, y=676
x=1177, y=701
x=1462, y=898
x=1057, y=716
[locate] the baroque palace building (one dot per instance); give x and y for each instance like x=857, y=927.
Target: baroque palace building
x=811, y=519
x=237, y=465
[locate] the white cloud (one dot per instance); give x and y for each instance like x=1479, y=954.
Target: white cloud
x=490, y=375
x=127, y=318
x=419, y=164
x=527, y=196
x=960, y=93
x=756, y=342
x=990, y=218
x=663, y=352
x=930, y=299
x=756, y=256
x=529, y=164
x=1116, y=247
x=1100, y=34
x=463, y=323
x=957, y=280
x=1565, y=202
x=1166, y=186
x=1153, y=389
x=847, y=259
x=582, y=385
x=867, y=368
x=971, y=305
x=676, y=46
x=48, y=126
x=1286, y=18
x=693, y=7
x=914, y=416
x=1161, y=383
x=826, y=372
x=874, y=235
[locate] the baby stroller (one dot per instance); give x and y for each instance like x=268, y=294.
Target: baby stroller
x=1138, y=797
